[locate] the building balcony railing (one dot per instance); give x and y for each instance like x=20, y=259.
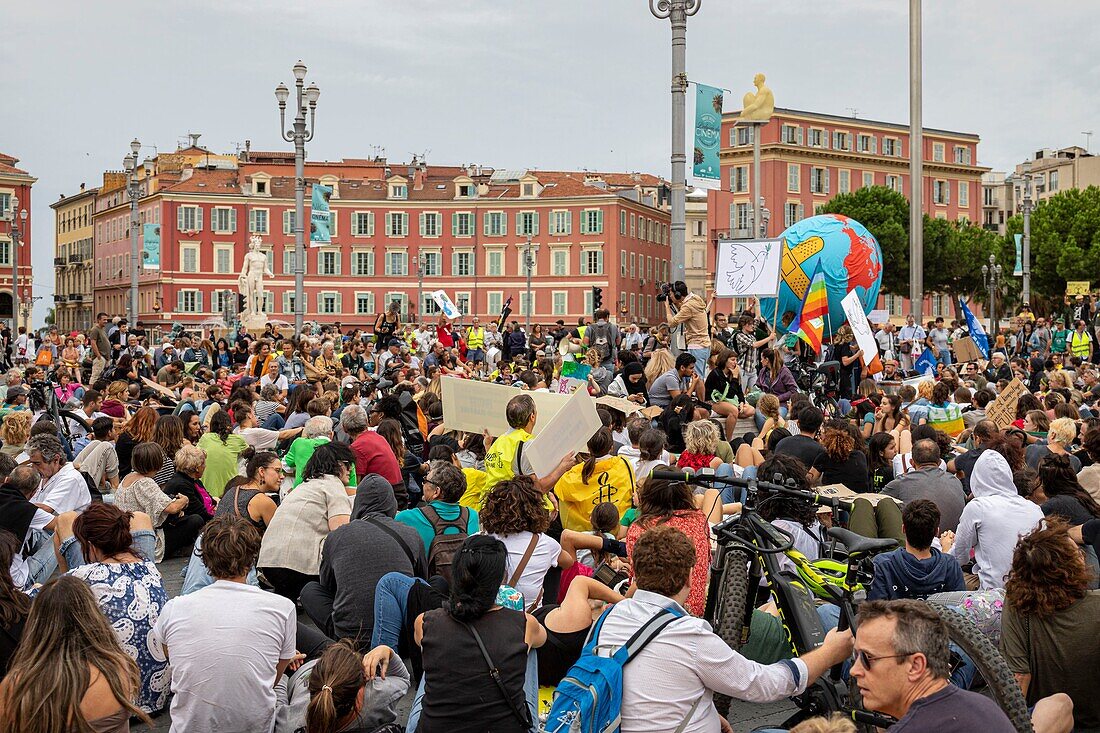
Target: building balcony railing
x=58, y=261
x=991, y=227
x=58, y=297
x=75, y=259
x=716, y=234
x=76, y=297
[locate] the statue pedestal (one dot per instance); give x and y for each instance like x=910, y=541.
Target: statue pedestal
x=254, y=321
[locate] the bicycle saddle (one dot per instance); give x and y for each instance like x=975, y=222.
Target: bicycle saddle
x=857, y=544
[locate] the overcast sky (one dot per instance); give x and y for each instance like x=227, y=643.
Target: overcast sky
x=563, y=84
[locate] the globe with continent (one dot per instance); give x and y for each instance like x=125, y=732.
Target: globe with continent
x=850, y=259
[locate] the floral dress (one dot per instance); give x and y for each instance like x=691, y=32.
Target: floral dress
x=694, y=524
x=131, y=596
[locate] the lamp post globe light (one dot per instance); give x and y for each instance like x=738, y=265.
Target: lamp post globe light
x=1026, y=247
x=18, y=221
x=299, y=133
x=135, y=188
x=992, y=273
x=677, y=12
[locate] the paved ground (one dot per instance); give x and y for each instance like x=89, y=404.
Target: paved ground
x=744, y=717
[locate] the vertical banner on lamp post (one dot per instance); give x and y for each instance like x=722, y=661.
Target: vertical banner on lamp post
x=320, y=218
x=1018, y=270
x=150, y=247
x=706, y=120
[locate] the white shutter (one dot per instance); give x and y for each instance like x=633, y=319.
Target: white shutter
x=179, y=218
x=232, y=220
x=825, y=175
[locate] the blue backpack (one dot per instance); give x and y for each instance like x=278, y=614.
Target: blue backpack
x=590, y=696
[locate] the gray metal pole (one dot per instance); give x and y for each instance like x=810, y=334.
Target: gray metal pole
x=530, y=305
x=15, y=236
x=916, y=166
x=299, y=216
x=677, y=11
x=1026, y=253
x=135, y=253
x=756, y=188
x=420, y=287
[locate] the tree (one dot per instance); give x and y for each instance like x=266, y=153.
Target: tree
x=50, y=317
x=885, y=213
x=1065, y=244
x=953, y=259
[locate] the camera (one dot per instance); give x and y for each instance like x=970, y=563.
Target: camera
x=663, y=291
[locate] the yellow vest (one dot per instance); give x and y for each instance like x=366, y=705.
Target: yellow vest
x=476, y=481
x=1079, y=344
x=613, y=481
x=475, y=338
x=502, y=455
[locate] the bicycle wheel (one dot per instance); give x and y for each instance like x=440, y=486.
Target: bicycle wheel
x=990, y=664
x=729, y=611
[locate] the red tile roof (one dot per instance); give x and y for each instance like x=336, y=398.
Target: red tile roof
x=7, y=165
x=206, y=181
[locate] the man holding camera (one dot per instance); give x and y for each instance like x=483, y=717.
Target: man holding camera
x=690, y=310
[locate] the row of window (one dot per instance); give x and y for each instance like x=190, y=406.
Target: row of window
x=819, y=183
x=862, y=142
x=463, y=223
x=73, y=218
x=118, y=227
x=362, y=262
x=365, y=303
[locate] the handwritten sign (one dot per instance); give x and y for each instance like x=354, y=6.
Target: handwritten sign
x=567, y=432
x=473, y=406
x=1002, y=411
x=569, y=385
x=861, y=329
x=840, y=491
x=966, y=349
x=621, y=404
x=747, y=268
x=1077, y=287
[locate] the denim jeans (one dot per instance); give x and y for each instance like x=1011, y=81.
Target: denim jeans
x=701, y=356
x=730, y=493
x=196, y=575
x=391, y=602
x=41, y=561
x=274, y=422
x=530, y=688
x=145, y=544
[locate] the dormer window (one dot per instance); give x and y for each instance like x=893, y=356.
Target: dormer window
x=467, y=191
x=261, y=184
x=260, y=188
x=399, y=191
x=332, y=182
x=528, y=189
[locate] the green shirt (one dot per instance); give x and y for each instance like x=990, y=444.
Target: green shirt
x=221, y=461
x=447, y=512
x=1058, y=340
x=301, y=450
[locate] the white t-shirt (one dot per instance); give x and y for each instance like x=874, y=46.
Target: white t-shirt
x=77, y=430
x=544, y=557
x=224, y=644
x=259, y=438
x=279, y=382
x=65, y=491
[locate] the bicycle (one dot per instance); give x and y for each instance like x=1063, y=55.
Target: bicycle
x=749, y=549
x=821, y=383
x=43, y=402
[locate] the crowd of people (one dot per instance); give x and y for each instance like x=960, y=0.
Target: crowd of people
x=346, y=550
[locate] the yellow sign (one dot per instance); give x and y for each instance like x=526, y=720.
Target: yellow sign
x=1077, y=287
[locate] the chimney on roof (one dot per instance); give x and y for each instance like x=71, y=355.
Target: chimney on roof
x=194, y=136
x=81, y=186
x=243, y=155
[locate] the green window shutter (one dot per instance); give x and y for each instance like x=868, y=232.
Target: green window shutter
x=198, y=219
x=454, y=224
x=370, y=224
x=389, y=224
x=179, y=218
x=584, y=221
x=535, y=221
x=599, y=221
x=503, y=223
x=485, y=224
x=519, y=223
x=423, y=218
x=232, y=220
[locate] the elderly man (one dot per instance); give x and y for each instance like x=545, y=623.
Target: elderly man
x=441, y=514
x=998, y=369
x=372, y=453
x=13, y=378
x=910, y=342
x=928, y=480
x=62, y=489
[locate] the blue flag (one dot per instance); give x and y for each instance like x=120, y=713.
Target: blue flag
x=926, y=363
x=977, y=333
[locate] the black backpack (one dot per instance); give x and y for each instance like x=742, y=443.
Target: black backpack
x=445, y=546
x=599, y=338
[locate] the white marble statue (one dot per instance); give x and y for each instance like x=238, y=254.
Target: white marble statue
x=251, y=281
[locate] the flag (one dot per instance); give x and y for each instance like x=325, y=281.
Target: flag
x=808, y=325
x=977, y=333
x=926, y=363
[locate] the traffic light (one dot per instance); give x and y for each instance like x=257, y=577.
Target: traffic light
x=240, y=303
x=597, y=298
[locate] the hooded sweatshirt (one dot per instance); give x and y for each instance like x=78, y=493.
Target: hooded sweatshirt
x=899, y=574
x=993, y=521
x=356, y=555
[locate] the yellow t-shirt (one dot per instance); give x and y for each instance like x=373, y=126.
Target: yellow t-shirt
x=612, y=481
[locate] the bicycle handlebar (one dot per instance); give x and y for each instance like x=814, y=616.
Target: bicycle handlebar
x=710, y=480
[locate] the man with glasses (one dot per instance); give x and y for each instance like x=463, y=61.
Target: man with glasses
x=997, y=369
x=902, y=667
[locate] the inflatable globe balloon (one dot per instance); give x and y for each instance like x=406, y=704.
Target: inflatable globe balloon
x=849, y=256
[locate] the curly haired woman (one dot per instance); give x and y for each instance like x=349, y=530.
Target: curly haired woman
x=514, y=514
x=1048, y=628
x=841, y=463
